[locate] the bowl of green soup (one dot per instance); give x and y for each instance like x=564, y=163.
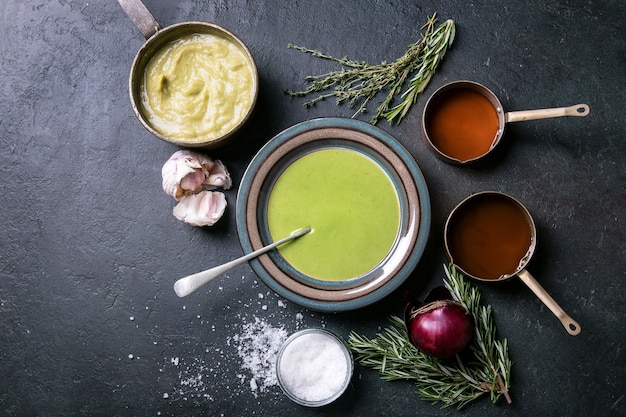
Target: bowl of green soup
x=193, y=84
x=362, y=194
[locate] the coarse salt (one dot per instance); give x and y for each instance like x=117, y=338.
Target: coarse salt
x=257, y=347
x=314, y=366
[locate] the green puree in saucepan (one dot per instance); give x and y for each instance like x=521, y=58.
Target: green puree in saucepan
x=351, y=205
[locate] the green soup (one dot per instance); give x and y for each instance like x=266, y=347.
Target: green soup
x=351, y=205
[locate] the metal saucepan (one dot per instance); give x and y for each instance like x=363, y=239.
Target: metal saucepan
x=463, y=121
x=156, y=38
x=490, y=236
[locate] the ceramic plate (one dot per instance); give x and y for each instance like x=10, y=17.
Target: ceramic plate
x=390, y=156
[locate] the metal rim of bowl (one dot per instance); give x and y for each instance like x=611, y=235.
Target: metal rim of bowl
x=470, y=85
x=473, y=199
x=161, y=38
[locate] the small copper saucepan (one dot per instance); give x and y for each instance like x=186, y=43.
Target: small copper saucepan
x=490, y=236
x=158, y=38
x=463, y=121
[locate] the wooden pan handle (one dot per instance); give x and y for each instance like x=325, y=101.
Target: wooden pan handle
x=579, y=110
x=569, y=323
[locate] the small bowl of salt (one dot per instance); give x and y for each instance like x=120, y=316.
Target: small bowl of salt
x=314, y=367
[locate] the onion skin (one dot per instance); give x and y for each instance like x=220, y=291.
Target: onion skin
x=440, y=327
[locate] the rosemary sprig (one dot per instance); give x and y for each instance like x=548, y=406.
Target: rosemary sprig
x=451, y=382
x=359, y=81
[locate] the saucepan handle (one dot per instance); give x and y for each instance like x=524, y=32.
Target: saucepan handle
x=579, y=110
x=141, y=17
x=569, y=323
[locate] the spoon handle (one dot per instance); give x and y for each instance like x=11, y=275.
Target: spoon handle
x=185, y=286
x=579, y=110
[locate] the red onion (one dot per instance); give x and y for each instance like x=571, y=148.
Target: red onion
x=440, y=326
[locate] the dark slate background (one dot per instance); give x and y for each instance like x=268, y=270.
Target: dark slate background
x=90, y=250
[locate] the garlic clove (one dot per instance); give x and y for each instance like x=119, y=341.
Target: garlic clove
x=202, y=209
x=218, y=176
x=185, y=173
x=191, y=183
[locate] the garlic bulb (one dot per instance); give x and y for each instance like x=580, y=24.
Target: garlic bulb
x=189, y=177
x=188, y=172
x=202, y=209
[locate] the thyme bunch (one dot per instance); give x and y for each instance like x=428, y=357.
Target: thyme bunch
x=451, y=382
x=359, y=82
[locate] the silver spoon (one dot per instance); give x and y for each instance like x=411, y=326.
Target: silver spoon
x=185, y=286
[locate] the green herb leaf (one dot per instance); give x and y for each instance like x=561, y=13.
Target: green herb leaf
x=359, y=82
x=450, y=382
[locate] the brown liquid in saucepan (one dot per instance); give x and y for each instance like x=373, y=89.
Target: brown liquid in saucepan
x=462, y=123
x=489, y=235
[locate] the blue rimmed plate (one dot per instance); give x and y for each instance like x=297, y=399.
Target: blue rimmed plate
x=334, y=133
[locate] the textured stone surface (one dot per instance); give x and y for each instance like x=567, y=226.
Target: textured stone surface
x=89, y=323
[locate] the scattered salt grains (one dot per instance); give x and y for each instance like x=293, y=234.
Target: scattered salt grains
x=193, y=381
x=257, y=347
x=255, y=342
